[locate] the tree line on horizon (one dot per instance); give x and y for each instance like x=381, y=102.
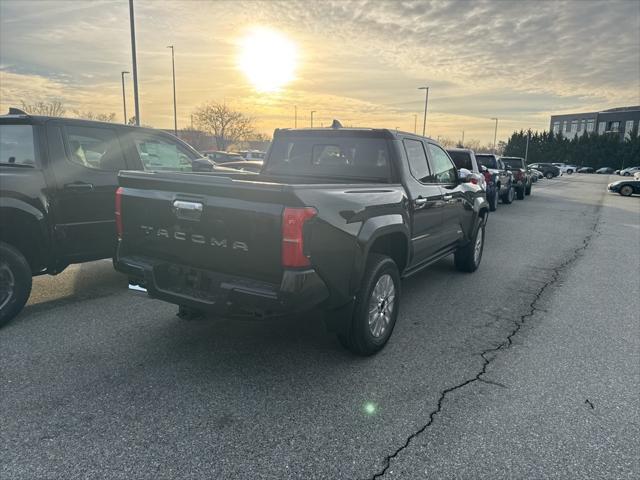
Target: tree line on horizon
x=587, y=150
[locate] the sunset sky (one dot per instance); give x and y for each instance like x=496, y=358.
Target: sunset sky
x=360, y=62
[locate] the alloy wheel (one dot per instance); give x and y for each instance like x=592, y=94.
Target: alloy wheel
x=7, y=284
x=381, y=305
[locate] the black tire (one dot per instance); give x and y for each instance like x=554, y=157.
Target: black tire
x=15, y=282
x=465, y=258
x=493, y=201
x=507, y=198
x=527, y=191
x=360, y=339
x=520, y=193
x=569, y=172
x=548, y=175
x=626, y=174
x=626, y=190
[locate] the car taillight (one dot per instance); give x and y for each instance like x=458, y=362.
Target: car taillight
x=473, y=180
x=293, y=220
x=487, y=177
x=119, y=212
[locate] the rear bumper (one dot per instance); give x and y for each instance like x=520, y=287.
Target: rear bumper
x=222, y=293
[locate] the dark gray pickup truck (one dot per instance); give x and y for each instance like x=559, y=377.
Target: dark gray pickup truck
x=334, y=219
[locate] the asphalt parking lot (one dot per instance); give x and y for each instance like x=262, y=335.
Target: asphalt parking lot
x=528, y=368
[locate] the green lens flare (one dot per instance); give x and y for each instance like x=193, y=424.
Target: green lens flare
x=370, y=408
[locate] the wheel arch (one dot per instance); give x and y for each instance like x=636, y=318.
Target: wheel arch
x=24, y=228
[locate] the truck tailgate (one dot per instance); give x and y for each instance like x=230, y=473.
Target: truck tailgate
x=205, y=221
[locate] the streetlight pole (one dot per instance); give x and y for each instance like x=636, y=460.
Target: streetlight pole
x=312, y=112
x=426, y=101
x=134, y=61
x=495, y=134
x=124, y=98
x=462, y=142
x=526, y=149
x=175, y=114
x=415, y=123
x=295, y=116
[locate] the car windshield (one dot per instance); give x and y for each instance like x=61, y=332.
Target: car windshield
x=513, y=162
x=323, y=155
x=488, y=161
x=461, y=159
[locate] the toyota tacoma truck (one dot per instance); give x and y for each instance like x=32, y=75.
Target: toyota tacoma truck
x=58, y=177
x=504, y=178
x=521, y=175
x=334, y=220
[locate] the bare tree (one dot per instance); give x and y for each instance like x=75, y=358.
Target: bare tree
x=53, y=108
x=226, y=125
x=100, y=117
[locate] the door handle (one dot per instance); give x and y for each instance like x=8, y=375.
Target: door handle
x=420, y=202
x=80, y=186
x=446, y=198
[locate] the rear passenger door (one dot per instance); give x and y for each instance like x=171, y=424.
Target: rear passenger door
x=425, y=204
x=85, y=159
x=158, y=152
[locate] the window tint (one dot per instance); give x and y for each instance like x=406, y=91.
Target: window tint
x=461, y=159
x=417, y=159
x=514, y=162
x=338, y=156
x=95, y=147
x=162, y=154
x=16, y=145
x=488, y=161
x=443, y=169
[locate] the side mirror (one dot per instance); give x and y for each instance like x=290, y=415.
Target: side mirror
x=202, y=165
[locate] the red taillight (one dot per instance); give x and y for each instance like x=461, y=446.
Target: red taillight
x=519, y=175
x=293, y=220
x=473, y=180
x=119, y=212
x=487, y=177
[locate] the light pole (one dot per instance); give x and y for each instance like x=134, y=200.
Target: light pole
x=495, y=134
x=134, y=61
x=462, y=142
x=295, y=116
x=415, y=123
x=124, y=98
x=426, y=101
x=175, y=114
x=526, y=149
x=312, y=112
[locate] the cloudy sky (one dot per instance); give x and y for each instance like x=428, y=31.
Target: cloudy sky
x=360, y=61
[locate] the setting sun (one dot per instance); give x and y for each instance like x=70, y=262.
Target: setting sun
x=268, y=59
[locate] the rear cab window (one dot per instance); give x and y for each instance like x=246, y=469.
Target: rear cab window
x=17, y=146
x=461, y=159
x=513, y=162
x=488, y=161
x=94, y=147
x=341, y=156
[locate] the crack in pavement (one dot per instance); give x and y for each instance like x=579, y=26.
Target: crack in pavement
x=506, y=343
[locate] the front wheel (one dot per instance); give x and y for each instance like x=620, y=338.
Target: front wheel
x=520, y=193
x=527, y=191
x=626, y=174
x=15, y=282
x=507, y=198
x=626, y=190
x=376, y=308
x=548, y=175
x=467, y=258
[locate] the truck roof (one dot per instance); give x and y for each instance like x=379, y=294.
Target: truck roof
x=364, y=131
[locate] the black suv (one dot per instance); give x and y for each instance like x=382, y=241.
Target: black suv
x=58, y=178
x=548, y=170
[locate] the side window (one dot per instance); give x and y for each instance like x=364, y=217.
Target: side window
x=417, y=159
x=157, y=153
x=94, y=147
x=16, y=145
x=443, y=169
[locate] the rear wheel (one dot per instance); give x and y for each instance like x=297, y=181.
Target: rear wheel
x=467, y=258
x=15, y=282
x=569, y=172
x=520, y=193
x=626, y=190
x=507, y=198
x=493, y=201
x=376, y=307
x=549, y=175
x=527, y=191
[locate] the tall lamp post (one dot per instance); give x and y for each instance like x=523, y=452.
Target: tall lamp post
x=415, y=123
x=295, y=116
x=124, y=97
x=173, y=69
x=495, y=134
x=135, y=63
x=312, y=112
x=426, y=101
